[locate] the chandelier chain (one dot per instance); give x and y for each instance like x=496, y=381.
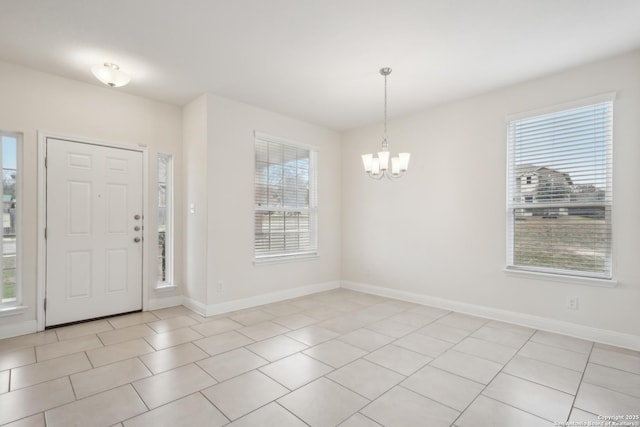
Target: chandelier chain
x=384, y=142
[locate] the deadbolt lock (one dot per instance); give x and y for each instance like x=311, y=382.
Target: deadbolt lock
x=136, y=216
x=136, y=228
x=136, y=239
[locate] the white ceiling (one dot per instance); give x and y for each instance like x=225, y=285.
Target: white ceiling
x=316, y=60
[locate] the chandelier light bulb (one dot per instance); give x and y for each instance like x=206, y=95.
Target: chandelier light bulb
x=384, y=160
x=367, y=160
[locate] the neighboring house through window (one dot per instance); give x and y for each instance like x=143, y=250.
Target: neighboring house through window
x=165, y=220
x=285, y=199
x=10, y=161
x=559, y=197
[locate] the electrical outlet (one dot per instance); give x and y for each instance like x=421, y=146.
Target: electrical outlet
x=220, y=286
x=572, y=303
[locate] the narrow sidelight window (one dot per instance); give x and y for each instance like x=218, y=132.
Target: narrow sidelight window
x=10, y=160
x=165, y=220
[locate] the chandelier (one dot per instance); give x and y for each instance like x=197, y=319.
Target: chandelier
x=377, y=167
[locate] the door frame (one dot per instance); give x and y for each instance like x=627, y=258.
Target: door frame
x=41, y=268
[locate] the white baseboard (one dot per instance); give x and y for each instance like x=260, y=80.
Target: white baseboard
x=19, y=328
x=240, y=304
x=158, y=303
x=31, y=326
x=195, y=306
x=258, y=300
x=588, y=333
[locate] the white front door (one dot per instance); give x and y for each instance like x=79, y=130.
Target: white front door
x=94, y=231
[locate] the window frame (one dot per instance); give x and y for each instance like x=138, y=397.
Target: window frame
x=312, y=210
x=575, y=276
x=14, y=306
x=169, y=221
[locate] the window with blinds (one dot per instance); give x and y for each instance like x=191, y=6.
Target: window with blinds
x=285, y=199
x=559, y=190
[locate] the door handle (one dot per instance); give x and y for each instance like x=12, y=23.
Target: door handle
x=136, y=239
x=136, y=228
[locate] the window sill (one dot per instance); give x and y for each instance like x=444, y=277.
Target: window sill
x=574, y=280
x=13, y=311
x=165, y=287
x=281, y=259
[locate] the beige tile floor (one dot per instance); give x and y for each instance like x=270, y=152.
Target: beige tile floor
x=333, y=358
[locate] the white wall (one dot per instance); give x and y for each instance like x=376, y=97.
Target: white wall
x=440, y=231
x=31, y=101
x=194, y=120
x=230, y=158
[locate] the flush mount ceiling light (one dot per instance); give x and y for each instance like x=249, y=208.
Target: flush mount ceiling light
x=110, y=74
x=377, y=167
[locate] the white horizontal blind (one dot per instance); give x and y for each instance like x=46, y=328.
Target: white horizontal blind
x=559, y=191
x=285, y=199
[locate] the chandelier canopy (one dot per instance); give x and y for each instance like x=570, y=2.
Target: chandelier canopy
x=377, y=167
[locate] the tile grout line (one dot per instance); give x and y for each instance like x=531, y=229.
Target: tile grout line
x=280, y=405
x=460, y=376
x=487, y=385
x=573, y=402
x=200, y=392
x=563, y=348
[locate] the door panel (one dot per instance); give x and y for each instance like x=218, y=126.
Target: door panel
x=116, y=270
x=94, y=201
x=79, y=208
x=79, y=277
x=116, y=209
